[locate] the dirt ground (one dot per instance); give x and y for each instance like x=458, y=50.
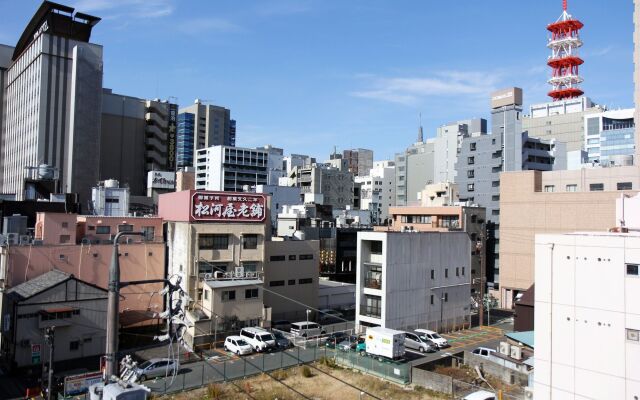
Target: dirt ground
x=327, y=383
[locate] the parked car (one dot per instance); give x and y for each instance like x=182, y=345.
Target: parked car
x=327, y=315
x=281, y=340
x=420, y=343
x=353, y=343
x=335, y=338
x=483, y=352
x=307, y=329
x=157, y=367
x=237, y=345
x=434, y=337
x=260, y=339
x=480, y=395
x=281, y=325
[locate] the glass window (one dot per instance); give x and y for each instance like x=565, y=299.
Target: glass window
x=305, y=281
x=431, y=297
x=250, y=242
x=470, y=173
x=103, y=230
x=624, y=186
x=572, y=188
x=125, y=228
x=470, y=160
x=276, y=283
x=633, y=335
x=292, y=257
x=470, y=187
x=251, y=293
x=149, y=232
x=305, y=257
x=549, y=188
x=228, y=295
x=74, y=345
x=433, y=274
x=376, y=246
x=596, y=187
x=472, y=146
x=632, y=269
x=446, y=272
x=291, y=282
x=277, y=258
x=213, y=242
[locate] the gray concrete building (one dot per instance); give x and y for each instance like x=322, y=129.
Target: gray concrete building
x=324, y=184
x=483, y=157
x=360, y=161
x=413, y=280
x=5, y=62
x=561, y=120
x=213, y=125
x=53, y=100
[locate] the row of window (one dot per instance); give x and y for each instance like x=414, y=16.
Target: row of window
x=52, y=316
x=593, y=187
x=292, y=257
x=221, y=242
x=230, y=295
x=302, y=281
x=446, y=272
x=444, y=298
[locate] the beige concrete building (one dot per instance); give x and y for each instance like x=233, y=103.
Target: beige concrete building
x=291, y=275
x=534, y=202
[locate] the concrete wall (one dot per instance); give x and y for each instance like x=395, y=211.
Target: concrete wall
x=291, y=270
x=507, y=375
x=527, y=210
x=431, y=380
x=336, y=295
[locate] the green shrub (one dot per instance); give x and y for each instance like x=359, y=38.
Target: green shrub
x=214, y=391
x=306, y=372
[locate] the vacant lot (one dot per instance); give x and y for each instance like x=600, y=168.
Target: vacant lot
x=322, y=381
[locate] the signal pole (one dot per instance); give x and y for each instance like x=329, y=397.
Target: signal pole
x=49, y=339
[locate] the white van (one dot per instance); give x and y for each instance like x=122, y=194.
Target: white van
x=434, y=337
x=307, y=329
x=260, y=339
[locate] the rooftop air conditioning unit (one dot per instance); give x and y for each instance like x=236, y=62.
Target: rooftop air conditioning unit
x=528, y=393
x=13, y=238
x=3, y=240
x=505, y=348
x=239, y=271
x=516, y=352
x=25, y=240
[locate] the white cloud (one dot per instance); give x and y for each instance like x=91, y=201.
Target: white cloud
x=126, y=8
x=412, y=90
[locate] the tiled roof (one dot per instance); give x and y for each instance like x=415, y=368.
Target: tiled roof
x=38, y=284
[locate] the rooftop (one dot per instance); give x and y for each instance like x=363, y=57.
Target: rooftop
x=38, y=284
x=219, y=283
x=526, y=338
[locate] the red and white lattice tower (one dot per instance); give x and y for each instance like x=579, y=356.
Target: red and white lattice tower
x=564, y=60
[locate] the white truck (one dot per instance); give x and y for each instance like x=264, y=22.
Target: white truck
x=385, y=342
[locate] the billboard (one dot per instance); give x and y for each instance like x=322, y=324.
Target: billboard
x=228, y=207
x=506, y=97
x=78, y=384
x=172, y=138
x=161, y=180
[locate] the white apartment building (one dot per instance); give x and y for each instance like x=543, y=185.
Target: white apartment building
x=231, y=168
x=413, y=280
x=378, y=190
x=587, y=316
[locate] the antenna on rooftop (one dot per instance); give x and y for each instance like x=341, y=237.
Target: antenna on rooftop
x=420, y=133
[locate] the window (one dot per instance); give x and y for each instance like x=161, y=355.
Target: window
x=463, y=271
x=376, y=247
x=457, y=271
x=125, y=228
x=250, y=242
x=251, y=293
x=470, y=187
x=64, y=239
x=213, y=242
x=470, y=173
x=472, y=146
x=495, y=184
x=91, y=228
x=624, y=186
x=572, y=188
x=277, y=258
x=433, y=274
x=495, y=212
x=148, y=232
x=228, y=295
x=206, y=294
x=471, y=160
x=291, y=282
x=65, y=225
x=250, y=266
x=633, y=335
x=305, y=281
x=276, y=283
x=446, y=272
x=74, y=345
x=306, y=257
x=446, y=297
x=103, y=230
x=431, y=299
x=292, y=257
x=632, y=269
x=596, y=187
x=549, y=188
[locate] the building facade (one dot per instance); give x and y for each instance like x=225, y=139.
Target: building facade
x=213, y=125
x=378, y=191
x=231, y=168
x=535, y=202
x=609, y=137
x=413, y=280
x=186, y=133
x=561, y=120
x=324, y=184
x=53, y=100
x=360, y=161
x=587, y=287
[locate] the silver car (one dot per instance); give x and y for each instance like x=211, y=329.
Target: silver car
x=157, y=367
x=420, y=343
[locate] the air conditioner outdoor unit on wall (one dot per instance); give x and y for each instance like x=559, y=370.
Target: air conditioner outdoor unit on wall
x=505, y=348
x=13, y=238
x=25, y=239
x=516, y=352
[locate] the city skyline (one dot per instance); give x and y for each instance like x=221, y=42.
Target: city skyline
x=364, y=90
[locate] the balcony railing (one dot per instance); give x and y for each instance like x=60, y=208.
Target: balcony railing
x=369, y=311
x=372, y=283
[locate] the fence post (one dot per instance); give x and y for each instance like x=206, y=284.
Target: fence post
x=224, y=371
x=244, y=374
x=298, y=355
x=263, y=356
x=203, y=373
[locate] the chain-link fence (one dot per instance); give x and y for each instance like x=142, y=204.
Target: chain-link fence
x=387, y=369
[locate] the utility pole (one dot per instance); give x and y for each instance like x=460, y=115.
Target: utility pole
x=49, y=339
x=113, y=312
x=441, y=307
x=483, y=271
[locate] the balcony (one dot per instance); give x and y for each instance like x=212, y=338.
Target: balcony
x=370, y=311
x=373, y=283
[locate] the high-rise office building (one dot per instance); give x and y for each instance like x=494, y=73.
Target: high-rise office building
x=53, y=100
x=360, y=161
x=186, y=131
x=212, y=126
x=378, y=191
x=230, y=168
x=609, y=137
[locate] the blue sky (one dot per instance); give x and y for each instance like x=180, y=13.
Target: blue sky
x=310, y=74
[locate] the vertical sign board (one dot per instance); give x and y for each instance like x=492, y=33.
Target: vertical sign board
x=172, y=139
x=36, y=350
x=228, y=207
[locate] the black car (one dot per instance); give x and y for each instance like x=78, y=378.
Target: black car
x=335, y=338
x=281, y=341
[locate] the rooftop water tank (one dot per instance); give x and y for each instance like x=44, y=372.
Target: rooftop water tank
x=111, y=183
